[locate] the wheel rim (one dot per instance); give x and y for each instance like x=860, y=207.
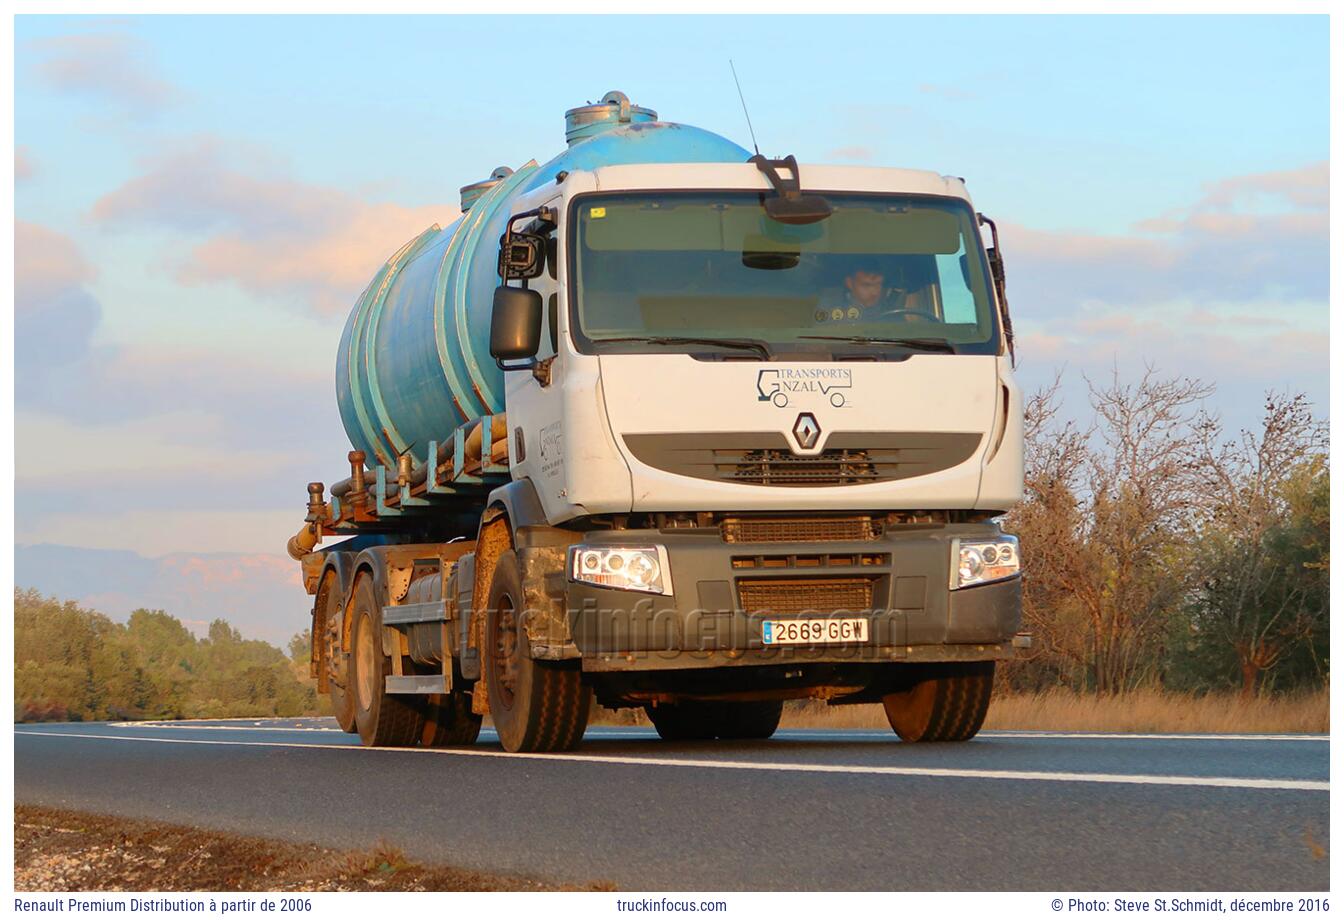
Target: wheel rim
x=364, y=662
x=335, y=653
x=506, y=651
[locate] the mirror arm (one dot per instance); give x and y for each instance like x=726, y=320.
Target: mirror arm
x=1000, y=288
x=545, y=221
x=790, y=205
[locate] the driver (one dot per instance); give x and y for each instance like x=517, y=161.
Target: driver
x=865, y=297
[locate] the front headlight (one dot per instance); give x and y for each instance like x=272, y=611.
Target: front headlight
x=975, y=562
x=628, y=568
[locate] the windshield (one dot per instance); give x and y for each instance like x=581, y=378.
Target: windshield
x=883, y=273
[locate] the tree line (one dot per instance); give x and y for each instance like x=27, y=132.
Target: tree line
x=1159, y=550
x=73, y=664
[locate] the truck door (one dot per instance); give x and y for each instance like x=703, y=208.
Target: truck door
x=532, y=398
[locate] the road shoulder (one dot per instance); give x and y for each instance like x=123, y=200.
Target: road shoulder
x=60, y=850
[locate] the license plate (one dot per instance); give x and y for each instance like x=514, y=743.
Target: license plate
x=814, y=632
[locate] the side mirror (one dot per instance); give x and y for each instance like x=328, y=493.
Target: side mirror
x=521, y=255
x=996, y=267
x=515, y=327
x=995, y=259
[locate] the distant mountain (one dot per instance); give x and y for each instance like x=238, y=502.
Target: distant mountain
x=260, y=594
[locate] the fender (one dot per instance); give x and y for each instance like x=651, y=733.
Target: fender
x=542, y=555
x=517, y=500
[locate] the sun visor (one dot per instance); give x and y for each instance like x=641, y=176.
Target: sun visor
x=897, y=229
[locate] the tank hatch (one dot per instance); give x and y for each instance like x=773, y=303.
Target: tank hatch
x=472, y=193
x=614, y=110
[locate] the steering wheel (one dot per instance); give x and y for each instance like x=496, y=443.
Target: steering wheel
x=922, y=314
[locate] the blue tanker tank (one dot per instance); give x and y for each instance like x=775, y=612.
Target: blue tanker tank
x=414, y=360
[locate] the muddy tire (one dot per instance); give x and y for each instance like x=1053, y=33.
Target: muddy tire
x=681, y=721
x=947, y=704
x=536, y=706
x=336, y=659
x=383, y=719
x=449, y=721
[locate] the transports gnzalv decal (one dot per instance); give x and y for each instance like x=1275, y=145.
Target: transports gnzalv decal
x=786, y=386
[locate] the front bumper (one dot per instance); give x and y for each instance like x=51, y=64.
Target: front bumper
x=710, y=622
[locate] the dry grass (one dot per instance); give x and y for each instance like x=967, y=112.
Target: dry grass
x=1138, y=711
x=61, y=850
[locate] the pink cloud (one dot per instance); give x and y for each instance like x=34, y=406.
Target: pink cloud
x=330, y=269
x=1217, y=249
x=24, y=167
x=230, y=571
x=111, y=65
x=1305, y=187
x=45, y=261
x=268, y=233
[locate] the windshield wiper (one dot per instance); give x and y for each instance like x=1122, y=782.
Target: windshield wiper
x=942, y=345
x=755, y=345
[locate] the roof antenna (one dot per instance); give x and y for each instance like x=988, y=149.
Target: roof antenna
x=744, y=108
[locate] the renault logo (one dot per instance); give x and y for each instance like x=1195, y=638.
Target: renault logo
x=806, y=430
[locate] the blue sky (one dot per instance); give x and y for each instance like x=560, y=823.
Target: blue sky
x=199, y=199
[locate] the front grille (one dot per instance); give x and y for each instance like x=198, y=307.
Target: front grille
x=799, y=530
x=797, y=596
x=782, y=468
x=811, y=561
x=766, y=458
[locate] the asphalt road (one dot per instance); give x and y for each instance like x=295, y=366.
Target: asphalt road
x=814, y=809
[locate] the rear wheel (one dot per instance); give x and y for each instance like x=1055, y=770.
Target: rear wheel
x=449, y=721
x=535, y=705
x=947, y=704
x=337, y=659
x=383, y=719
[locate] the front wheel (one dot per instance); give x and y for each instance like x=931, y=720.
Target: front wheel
x=536, y=706
x=948, y=703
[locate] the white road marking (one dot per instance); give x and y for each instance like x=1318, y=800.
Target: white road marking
x=840, y=734
x=185, y=724
x=1226, y=782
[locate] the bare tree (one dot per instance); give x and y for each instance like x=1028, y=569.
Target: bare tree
x=1263, y=558
x=1108, y=522
x=1049, y=521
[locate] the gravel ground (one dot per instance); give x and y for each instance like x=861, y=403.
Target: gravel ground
x=57, y=850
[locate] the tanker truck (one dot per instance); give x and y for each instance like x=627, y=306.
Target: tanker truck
x=666, y=424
